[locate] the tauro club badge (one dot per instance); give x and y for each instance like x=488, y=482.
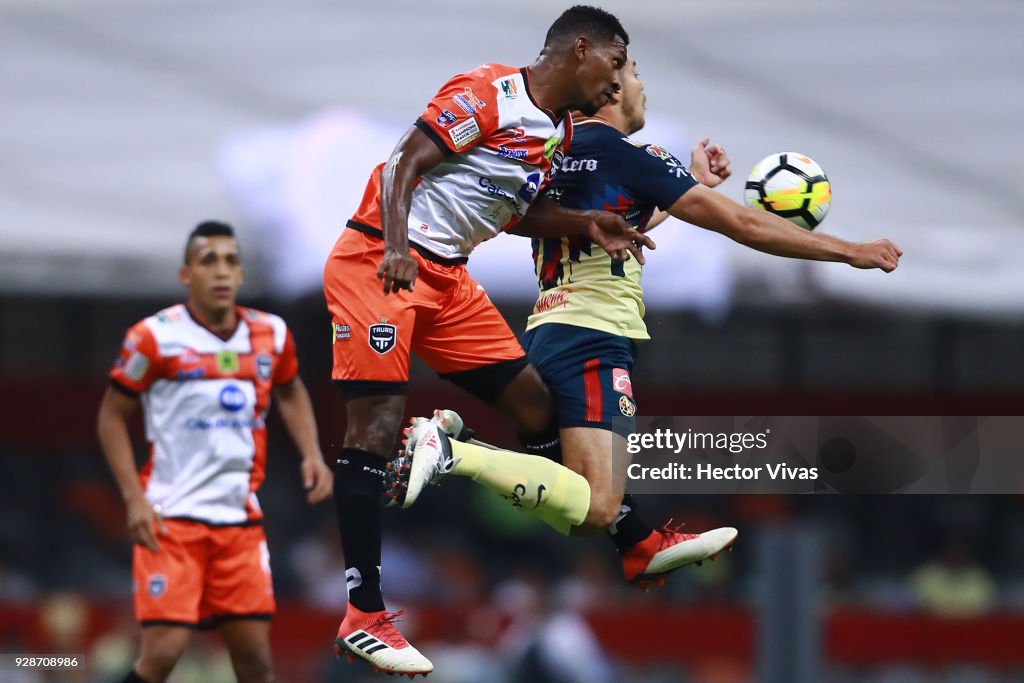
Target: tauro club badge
x=382, y=336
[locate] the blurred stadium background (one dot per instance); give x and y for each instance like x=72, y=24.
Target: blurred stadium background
x=125, y=123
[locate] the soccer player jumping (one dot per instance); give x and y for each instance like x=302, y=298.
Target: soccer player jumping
x=395, y=282
x=583, y=332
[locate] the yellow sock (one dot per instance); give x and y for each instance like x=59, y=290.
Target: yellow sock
x=537, y=486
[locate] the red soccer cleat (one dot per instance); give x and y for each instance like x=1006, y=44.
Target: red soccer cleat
x=373, y=637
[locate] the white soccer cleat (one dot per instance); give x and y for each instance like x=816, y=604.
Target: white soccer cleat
x=426, y=458
x=452, y=424
x=372, y=636
x=667, y=549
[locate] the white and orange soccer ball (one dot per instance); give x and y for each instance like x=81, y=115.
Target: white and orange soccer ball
x=792, y=186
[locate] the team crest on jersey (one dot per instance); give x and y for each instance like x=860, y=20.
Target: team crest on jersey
x=659, y=152
x=157, y=585
x=382, y=336
x=510, y=89
x=626, y=406
x=264, y=366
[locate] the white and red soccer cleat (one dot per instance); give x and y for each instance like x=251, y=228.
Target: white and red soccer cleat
x=667, y=549
x=373, y=637
x=425, y=459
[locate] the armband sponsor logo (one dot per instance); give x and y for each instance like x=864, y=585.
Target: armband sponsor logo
x=552, y=300
x=232, y=398
x=468, y=102
x=464, y=133
x=446, y=118
x=136, y=366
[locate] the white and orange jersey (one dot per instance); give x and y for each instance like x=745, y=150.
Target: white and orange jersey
x=500, y=147
x=205, y=401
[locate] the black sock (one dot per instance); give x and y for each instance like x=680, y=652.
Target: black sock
x=546, y=443
x=133, y=677
x=359, y=482
x=629, y=528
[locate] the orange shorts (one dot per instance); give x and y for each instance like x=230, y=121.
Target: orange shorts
x=447, y=320
x=203, y=574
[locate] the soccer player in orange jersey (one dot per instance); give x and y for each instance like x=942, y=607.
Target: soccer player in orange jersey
x=205, y=372
x=473, y=165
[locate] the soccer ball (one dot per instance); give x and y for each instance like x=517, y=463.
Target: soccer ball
x=792, y=186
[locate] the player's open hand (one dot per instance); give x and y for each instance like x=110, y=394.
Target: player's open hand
x=618, y=238
x=317, y=479
x=709, y=165
x=878, y=254
x=398, y=271
x=144, y=522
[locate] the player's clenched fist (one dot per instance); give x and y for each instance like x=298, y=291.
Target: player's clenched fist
x=398, y=271
x=878, y=254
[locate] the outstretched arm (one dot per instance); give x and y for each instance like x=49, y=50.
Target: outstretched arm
x=610, y=231
x=296, y=410
x=415, y=155
x=773, y=235
x=710, y=166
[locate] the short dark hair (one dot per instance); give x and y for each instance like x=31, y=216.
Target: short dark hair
x=584, y=20
x=208, y=229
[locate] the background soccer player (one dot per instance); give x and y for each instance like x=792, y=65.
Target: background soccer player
x=583, y=332
x=205, y=372
x=470, y=168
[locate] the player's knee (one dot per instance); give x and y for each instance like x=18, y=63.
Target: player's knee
x=373, y=423
x=253, y=666
x=527, y=400
x=155, y=664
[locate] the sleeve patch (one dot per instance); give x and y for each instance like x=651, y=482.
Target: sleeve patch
x=136, y=366
x=464, y=133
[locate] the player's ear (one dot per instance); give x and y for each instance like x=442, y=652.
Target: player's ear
x=581, y=48
x=185, y=275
